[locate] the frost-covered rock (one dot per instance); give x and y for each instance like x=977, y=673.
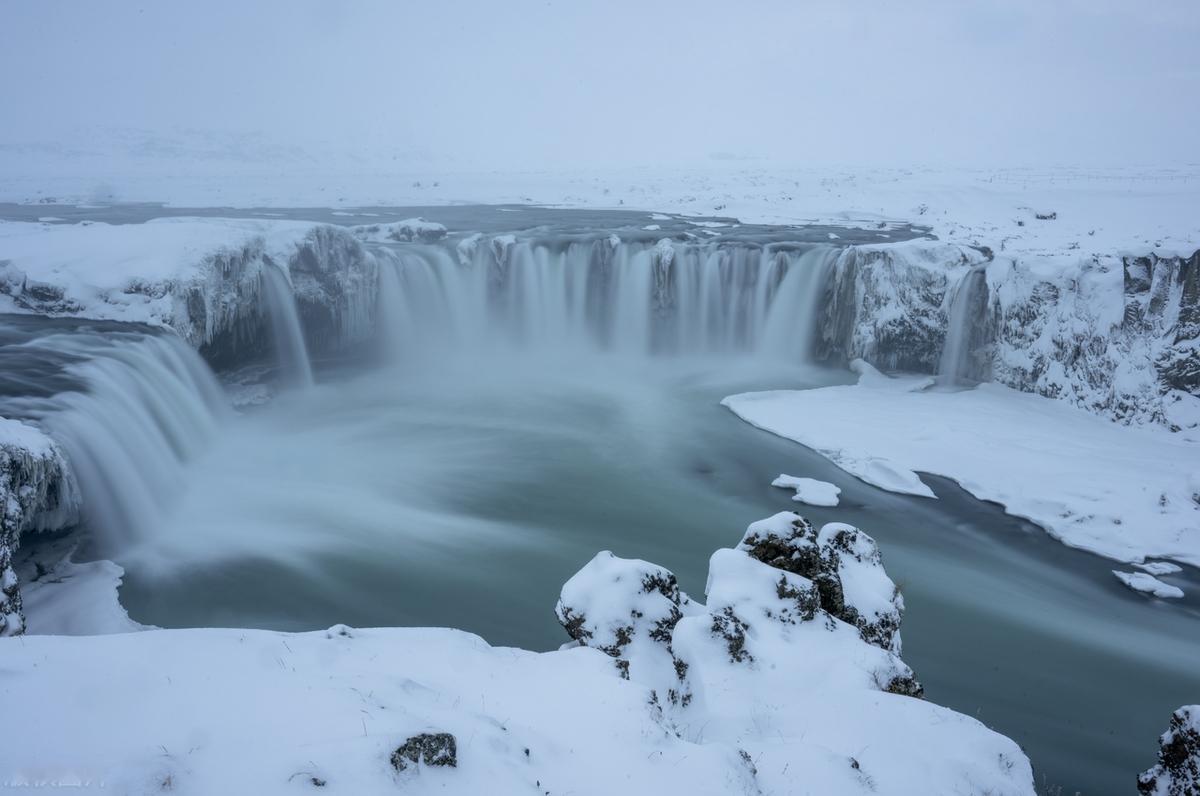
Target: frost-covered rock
x=1177, y=772
x=201, y=277
x=843, y=563
x=782, y=575
x=628, y=610
x=1117, y=335
x=34, y=493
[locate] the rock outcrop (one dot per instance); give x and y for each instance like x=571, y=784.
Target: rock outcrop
x=1177, y=772
x=35, y=492
x=783, y=589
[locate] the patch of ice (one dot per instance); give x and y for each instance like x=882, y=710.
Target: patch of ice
x=1143, y=582
x=809, y=490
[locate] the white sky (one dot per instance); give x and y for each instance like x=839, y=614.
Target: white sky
x=520, y=84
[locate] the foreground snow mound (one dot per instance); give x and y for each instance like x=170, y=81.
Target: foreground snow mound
x=34, y=492
x=1134, y=496
x=773, y=694
x=1178, y=770
x=792, y=662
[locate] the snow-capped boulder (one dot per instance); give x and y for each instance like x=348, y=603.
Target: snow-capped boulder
x=35, y=492
x=1177, y=772
x=628, y=609
x=842, y=562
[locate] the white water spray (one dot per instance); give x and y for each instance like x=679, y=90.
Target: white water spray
x=149, y=406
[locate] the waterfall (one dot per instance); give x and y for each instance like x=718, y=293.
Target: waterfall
x=794, y=316
x=967, y=305
x=148, y=405
x=285, y=327
x=631, y=298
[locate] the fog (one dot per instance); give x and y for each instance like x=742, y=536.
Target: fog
x=532, y=84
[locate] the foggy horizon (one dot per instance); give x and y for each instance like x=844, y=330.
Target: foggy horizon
x=551, y=85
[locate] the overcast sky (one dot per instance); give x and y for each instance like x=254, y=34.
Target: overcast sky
x=518, y=84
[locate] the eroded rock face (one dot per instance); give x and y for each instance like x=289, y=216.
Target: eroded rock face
x=1178, y=770
x=34, y=492
x=843, y=564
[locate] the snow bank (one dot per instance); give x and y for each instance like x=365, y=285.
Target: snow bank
x=770, y=689
x=809, y=490
x=1121, y=492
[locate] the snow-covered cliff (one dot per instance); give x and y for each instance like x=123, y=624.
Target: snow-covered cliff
x=1117, y=334
x=35, y=492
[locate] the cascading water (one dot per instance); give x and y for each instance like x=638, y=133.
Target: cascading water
x=967, y=305
x=607, y=295
x=147, y=405
x=288, y=336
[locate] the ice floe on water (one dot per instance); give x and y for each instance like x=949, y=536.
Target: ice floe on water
x=1148, y=584
x=809, y=490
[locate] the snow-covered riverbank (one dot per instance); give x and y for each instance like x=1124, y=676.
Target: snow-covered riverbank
x=762, y=690
x=1127, y=493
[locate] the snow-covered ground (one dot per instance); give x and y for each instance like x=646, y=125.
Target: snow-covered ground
x=1095, y=210
x=760, y=691
x=1125, y=493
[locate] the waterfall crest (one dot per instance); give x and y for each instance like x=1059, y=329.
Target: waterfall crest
x=603, y=294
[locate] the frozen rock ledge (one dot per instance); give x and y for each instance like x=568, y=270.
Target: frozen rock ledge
x=790, y=673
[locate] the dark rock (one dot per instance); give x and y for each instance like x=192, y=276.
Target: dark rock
x=430, y=748
x=1178, y=770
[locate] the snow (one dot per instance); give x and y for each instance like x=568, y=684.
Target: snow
x=117, y=271
x=806, y=697
x=1099, y=211
x=809, y=490
x=1141, y=581
x=409, y=229
x=1160, y=568
x=76, y=599
x=1122, y=492
x=28, y=439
